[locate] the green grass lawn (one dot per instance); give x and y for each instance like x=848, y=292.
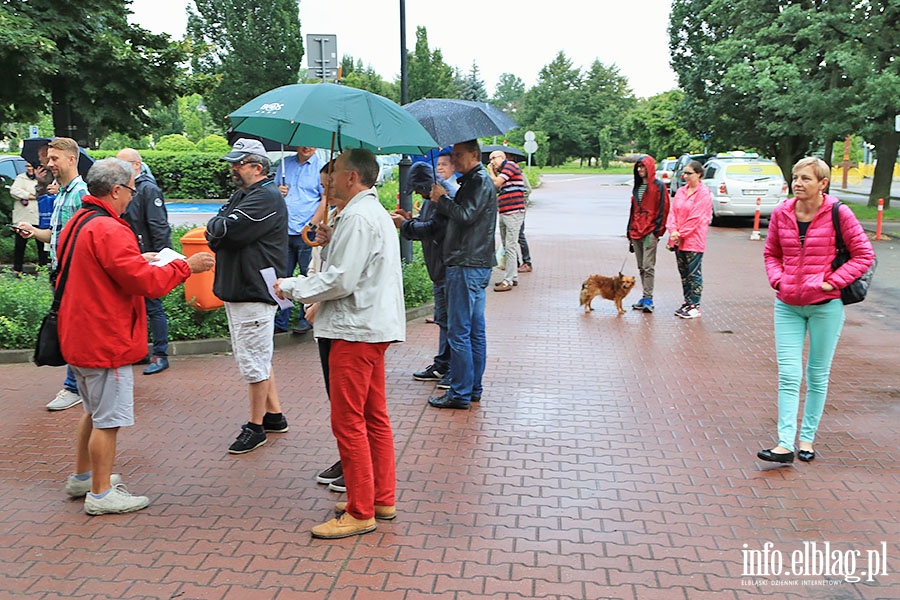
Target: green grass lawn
x=868, y=213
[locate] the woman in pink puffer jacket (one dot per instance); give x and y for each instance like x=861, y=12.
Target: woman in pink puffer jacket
x=800, y=248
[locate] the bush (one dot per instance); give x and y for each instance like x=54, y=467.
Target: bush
x=175, y=143
x=23, y=304
x=417, y=286
x=186, y=175
x=214, y=144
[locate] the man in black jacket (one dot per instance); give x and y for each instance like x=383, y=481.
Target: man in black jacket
x=248, y=235
x=146, y=214
x=429, y=228
x=469, y=256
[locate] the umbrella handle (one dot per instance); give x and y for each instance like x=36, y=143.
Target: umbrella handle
x=304, y=234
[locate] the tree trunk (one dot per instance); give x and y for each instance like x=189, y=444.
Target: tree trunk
x=66, y=121
x=788, y=150
x=829, y=154
x=886, y=148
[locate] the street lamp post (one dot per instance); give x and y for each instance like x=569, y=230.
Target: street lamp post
x=406, y=253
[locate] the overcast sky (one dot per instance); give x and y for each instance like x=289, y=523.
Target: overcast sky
x=501, y=37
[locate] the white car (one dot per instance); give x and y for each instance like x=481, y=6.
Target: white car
x=737, y=180
x=665, y=169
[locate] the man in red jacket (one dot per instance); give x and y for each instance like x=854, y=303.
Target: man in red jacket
x=646, y=224
x=103, y=326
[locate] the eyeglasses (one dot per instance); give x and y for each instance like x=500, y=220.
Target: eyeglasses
x=129, y=188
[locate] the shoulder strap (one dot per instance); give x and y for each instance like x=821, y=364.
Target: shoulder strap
x=63, y=274
x=836, y=220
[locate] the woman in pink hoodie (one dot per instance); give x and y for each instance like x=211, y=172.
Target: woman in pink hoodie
x=688, y=223
x=800, y=247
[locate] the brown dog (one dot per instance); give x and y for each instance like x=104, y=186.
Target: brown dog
x=610, y=288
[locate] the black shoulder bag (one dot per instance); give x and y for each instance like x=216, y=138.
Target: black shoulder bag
x=47, y=351
x=856, y=291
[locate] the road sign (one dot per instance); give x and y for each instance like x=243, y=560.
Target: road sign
x=897, y=123
x=33, y=131
x=530, y=146
x=529, y=136
x=322, y=56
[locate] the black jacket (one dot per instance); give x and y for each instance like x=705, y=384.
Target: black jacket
x=146, y=214
x=249, y=234
x=429, y=227
x=469, y=241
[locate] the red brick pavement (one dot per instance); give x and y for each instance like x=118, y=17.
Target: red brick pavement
x=612, y=457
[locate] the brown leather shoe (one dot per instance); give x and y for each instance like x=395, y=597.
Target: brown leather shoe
x=525, y=268
x=343, y=526
x=503, y=286
x=385, y=513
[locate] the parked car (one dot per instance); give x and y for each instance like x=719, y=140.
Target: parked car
x=736, y=180
x=10, y=167
x=677, y=179
x=665, y=169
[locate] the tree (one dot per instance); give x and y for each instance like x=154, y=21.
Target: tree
x=366, y=78
x=96, y=71
x=654, y=126
x=243, y=49
x=606, y=99
x=427, y=73
x=472, y=87
x=789, y=77
x=509, y=93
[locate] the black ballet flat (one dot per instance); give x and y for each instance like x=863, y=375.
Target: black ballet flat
x=776, y=457
x=806, y=455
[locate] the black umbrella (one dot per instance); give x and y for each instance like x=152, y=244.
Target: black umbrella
x=450, y=121
x=30, y=147
x=512, y=153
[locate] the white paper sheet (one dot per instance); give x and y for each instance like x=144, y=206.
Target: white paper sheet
x=270, y=278
x=165, y=256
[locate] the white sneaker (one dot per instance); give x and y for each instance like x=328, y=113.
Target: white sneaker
x=118, y=500
x=64, y=399
x=77, y=488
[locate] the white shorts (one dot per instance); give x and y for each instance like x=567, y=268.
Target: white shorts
x=252, y=327
x=108, y=395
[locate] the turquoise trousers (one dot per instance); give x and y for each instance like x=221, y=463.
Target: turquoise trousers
x=823, y=322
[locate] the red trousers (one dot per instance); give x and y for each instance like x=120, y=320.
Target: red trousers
x=361, y=426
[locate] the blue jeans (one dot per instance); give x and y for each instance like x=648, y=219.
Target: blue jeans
x=159, y=326
x=298, y=255
x=465, y=287
x=442, y=358
x=824, y=323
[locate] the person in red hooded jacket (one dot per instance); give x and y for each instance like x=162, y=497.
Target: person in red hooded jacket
x=646, y=225
x=103, y=326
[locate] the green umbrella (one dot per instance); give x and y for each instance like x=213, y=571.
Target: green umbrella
x=309, y=114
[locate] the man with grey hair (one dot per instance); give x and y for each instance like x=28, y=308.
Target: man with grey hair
x=146, y=214
x=103, y=326
x=249, y=235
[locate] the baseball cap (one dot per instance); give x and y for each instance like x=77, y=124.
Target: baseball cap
x=243, y=148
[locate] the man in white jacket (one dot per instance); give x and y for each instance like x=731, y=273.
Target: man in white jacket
x=361, y=311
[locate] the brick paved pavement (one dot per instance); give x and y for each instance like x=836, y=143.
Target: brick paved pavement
x=612, y=457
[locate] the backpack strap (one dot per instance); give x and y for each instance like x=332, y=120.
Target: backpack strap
x=836, y=220
x=63, y=272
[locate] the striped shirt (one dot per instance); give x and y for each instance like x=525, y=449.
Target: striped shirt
x=511, y=195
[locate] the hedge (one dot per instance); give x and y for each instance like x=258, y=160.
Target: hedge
x=186, y=175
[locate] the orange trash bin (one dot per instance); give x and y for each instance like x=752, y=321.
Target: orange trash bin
x=199, y=287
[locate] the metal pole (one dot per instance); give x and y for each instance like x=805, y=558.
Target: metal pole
x=322, y=54
x=406, y=250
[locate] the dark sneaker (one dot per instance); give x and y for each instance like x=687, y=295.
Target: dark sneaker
x=338, y=485
x=444, y=384
x=639, y=305
x=248, y=440
x=332, y=473
x=446, y=401
x=429, y=373
x=273, y=423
